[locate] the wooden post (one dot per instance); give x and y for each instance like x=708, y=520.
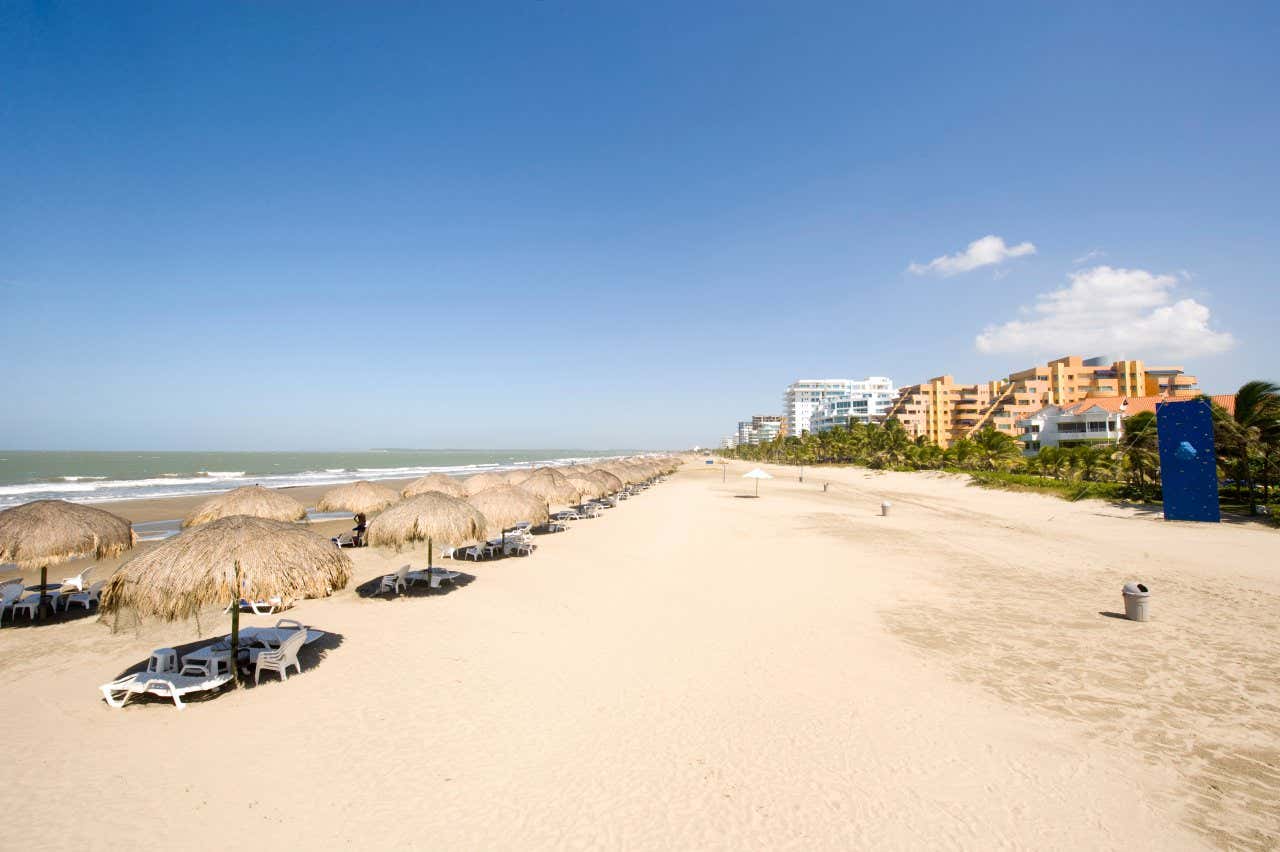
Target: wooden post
x=428, y=556
x=44, y=578
x=235, y=630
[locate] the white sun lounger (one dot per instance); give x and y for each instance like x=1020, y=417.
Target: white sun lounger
x=164, y=685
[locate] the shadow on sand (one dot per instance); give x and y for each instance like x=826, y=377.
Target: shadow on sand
x=1119, y=615
x=369, y=588
x=309, y=657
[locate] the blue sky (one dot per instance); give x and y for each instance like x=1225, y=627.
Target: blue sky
x=306, y=226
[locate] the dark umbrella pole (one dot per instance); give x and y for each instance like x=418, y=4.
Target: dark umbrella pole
x=235, y=631
x=44, y=580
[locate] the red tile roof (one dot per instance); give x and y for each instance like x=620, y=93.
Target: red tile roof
x=1111, y=404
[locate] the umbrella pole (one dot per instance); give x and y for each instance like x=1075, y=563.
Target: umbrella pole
x=757, y=488
x=428, y=554
x=44, y=578
x=235, y=631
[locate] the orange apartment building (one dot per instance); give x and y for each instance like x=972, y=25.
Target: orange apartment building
x=943, y=411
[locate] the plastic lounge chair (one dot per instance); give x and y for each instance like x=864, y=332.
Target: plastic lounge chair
x=164, y=685
x=31, y=603
x=267, y=607
x=78, y=580
x=474, y=552
x=395, y=583
x=344, y=540
x=9, y=595
x=88, y=597
x=278, y=661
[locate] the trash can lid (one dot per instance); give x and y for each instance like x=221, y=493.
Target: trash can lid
x=1136, y=590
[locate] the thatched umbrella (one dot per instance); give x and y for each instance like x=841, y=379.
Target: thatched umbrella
x=622, y=471
x=508, y=505
x=223, y=561
x=552, y=486
x=252, y=500
x=431, y=517
x=587, y=486
x=520, y=474
x=362, y=497
x=47, y=532
x=441, y=482
x=609, y=481
x=480, y=481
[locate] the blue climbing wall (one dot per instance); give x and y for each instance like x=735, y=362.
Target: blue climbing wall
x=1188, y=467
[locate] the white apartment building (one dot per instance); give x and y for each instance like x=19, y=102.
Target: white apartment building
x=1069, y=426
x=762, y=427
x=836, y=398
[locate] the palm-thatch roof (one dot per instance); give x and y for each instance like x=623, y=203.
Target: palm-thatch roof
x=479, y=482
x=441, y=482
x=47, y=532
x=622, y=471
x=609, y=481
x=588, y=486
x=508, y=505
x=197, y=568
x=520, y=474
x=252, y=500
x=362, y=497
x=444, y=519
x=553, y=487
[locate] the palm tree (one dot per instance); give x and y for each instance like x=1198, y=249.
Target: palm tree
x=1139, y=449
x=961, y=453
x=1093, y=458
x=997, y=449
x=1251, y=432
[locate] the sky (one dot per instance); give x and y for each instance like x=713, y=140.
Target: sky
x=537, y=223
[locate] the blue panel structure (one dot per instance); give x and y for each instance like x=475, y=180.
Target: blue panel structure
x=1188, y=464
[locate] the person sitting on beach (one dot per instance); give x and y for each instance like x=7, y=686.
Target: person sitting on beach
x=357, y=532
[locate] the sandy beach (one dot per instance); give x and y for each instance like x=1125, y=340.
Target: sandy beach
x=697, y=669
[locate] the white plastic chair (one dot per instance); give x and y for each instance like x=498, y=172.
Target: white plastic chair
x=395, y=583
x=31, y=603
x=267, y=607
x=78, y=580
x=279, y=661
x=164, y=685
x=9, y=594
x=87, y=598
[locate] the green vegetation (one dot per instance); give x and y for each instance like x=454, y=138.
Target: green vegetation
x=1248, y=447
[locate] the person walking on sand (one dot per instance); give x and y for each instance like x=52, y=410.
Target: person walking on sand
x=357, y=532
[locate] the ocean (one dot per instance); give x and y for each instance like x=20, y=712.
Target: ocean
x=88, y=477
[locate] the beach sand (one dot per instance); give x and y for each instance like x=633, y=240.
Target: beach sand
x=697, y=669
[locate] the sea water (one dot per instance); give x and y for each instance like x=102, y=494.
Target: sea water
x=89, y=477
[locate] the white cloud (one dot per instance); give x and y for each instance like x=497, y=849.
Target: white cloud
x=1110, y=311
x=987, y=251
x=1092, y=254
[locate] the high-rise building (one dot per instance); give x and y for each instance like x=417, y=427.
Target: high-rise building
x=761, y=427
x=943, y=411
x=804, y=397
x=868, y=400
